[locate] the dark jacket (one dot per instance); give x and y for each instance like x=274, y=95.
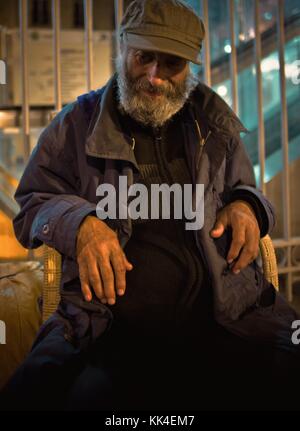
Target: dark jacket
x=85, y=146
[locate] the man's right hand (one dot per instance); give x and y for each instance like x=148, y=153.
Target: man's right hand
x=102, y=262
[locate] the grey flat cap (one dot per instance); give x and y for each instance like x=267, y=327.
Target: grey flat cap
x=168, y=26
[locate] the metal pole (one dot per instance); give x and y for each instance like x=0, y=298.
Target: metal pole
x=4, y=94
x=119, y=11
x=88, y=25
x=23, y=19
x=207, y=71
x=56, y=53
x=3, y=43
x=233, y=60
x=284, y=142
x=261, y=124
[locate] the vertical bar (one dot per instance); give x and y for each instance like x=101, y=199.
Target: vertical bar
x=207, y=71
x=3, y=97
x=261, y=124
x=23, y=19
x=3, y=43
x=119, y=10
x=233, y=59
x=56, y=53
x=88, y=25
x=284, y=142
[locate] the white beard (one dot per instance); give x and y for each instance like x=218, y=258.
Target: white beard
x=147, y=110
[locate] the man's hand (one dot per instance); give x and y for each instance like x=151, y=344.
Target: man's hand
x=102, y=262
x=245, y=233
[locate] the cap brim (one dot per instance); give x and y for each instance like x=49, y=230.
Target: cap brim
x=162, y=44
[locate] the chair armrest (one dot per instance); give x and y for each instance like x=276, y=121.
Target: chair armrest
x=269, y=262
x=52, y=276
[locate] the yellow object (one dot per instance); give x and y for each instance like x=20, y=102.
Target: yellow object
x=10, y=248
x=21, y=285
x=52, y=275
x=269, y=262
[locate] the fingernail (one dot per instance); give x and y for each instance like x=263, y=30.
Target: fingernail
x=230, y=261
x=120, y=292
x=111, y=301
x=236, y=271
x=103, y=300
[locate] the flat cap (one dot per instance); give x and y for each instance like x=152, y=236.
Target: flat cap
x=168, y=26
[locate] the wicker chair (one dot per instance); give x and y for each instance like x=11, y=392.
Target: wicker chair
x=52, y=273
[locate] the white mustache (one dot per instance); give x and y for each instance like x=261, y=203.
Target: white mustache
x=165, y=90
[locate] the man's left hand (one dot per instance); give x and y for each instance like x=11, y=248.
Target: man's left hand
x=240, y=216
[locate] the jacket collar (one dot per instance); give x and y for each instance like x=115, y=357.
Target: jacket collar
x=220, y=117
x=218, y=124
x=106, y=138
x=213, y=153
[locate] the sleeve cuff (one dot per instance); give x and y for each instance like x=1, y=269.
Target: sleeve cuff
x=58, y=221
x=257, y=206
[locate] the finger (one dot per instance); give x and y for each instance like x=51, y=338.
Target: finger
x=84, y=281
x=118, y=264
x=220, y=226
x=95, y=279
x=238, y=241
x=249, y=253
x=128, y=265
x=107, y=277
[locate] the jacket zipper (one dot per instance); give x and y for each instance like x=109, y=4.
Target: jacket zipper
x=202, y=142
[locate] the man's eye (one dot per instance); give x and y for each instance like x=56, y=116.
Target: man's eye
x=145, y=58
x=175, y=63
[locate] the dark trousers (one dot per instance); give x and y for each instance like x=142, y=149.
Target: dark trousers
x=210, y=369
x=213, y=371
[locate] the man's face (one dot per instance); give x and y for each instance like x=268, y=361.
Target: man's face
x=153, y=86
x=158, y=69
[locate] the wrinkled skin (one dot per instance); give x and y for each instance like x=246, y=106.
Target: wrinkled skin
x=102, y=262
x=244, y=247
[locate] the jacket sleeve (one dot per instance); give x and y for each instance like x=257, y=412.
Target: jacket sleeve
x=240, y=180
x=51, y=208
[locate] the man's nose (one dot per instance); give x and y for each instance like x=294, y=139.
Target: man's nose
x=154, y=74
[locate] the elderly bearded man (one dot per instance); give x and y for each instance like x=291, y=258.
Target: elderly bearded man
x=152, y=315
